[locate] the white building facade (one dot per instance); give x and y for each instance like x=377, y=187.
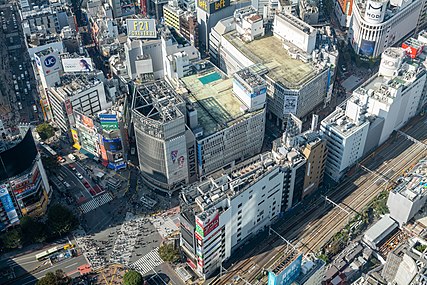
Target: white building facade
x=377, y=25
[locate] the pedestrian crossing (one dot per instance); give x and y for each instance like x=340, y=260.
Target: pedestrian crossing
x=96, y=202
x=148, y=262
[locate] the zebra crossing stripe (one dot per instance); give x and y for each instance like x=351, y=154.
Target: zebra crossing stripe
x=148, y=262
x=96, y=202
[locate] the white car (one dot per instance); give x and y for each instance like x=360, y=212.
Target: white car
x=79, y=175
x=66, y=184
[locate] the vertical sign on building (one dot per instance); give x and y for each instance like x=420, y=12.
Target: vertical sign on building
x=8, y=206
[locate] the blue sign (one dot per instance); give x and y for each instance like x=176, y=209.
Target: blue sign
x=199, y=154
x=49, y=61
x=8, y=206
x=288, y=275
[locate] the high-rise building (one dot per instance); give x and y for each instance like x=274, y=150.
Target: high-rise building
x=222, y=212
x=226, y=115
x=85, y=92
x=346, y=138
x=377, y=25
x=382, y=104
x=410, y=196
x=24, y=187
x=343, y=10
x=101, y=137
x=159, y=116
x=210, y=12
x=298, y=75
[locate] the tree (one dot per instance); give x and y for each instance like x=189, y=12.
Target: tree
x=57, y=278
x=32, y=230
x=168, y=253
x=50, y=163
x=133, y=277
x=11, y=239
x=61, y=220
x=45, y=131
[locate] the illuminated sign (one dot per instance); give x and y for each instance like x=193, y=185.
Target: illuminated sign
x=49, y=61
x=83, y=64
x=203, y=228
x=8, y=206
x=287, y=275
x=141, y=28
x=214, y=6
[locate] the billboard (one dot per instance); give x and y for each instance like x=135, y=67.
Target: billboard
x=8, y=206
x=205, y=227
x=375, y=11
x=48, y=63
x=82, y=64
x=290, y=104
x=287, y=275
x=109, y=122
x=141, y=28
x=75, y=136
x=367, y=48
x=212, y=6
x=84, y=120
x=18, y=158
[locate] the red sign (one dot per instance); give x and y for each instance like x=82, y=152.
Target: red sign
x=198, y=236
x=413, y=49
x=213, y=224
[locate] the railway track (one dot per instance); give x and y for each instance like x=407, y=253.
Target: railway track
x=351, y=193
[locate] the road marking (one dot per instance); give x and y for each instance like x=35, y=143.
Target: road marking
x=28, y=262
x=71, y=264
x=22, y=258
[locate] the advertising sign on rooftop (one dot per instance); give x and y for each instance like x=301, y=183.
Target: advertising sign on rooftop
x=83, y=64
x=141, y=28
x=212, y=6
x=109, y=122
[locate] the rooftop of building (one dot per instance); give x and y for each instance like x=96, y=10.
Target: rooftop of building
x=283, y=260
x=251, y=78
x=391, y=10
x=414, y=185
x=269, y=51
x=308, y=268
x=375, y=232
x=157, y=101
x=383, y=88
x=296, y=22
x=211, y=93
x=72, y=84
x=229, y=183
x=341, y=123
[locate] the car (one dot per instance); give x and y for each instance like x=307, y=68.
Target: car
x=72, y=167
x=79, y=175
x=61, y=159
x=60, y=178
x=67, y=184
x=20, y=67
x=86, y=184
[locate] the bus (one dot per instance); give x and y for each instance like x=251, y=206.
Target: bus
x=45, y=254
x=50, y=150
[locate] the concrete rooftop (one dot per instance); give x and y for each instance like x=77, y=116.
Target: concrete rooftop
x=215, y=103
x=269, y=51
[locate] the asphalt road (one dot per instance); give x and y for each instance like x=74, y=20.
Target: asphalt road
x=17, y=77
x=27, y=269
